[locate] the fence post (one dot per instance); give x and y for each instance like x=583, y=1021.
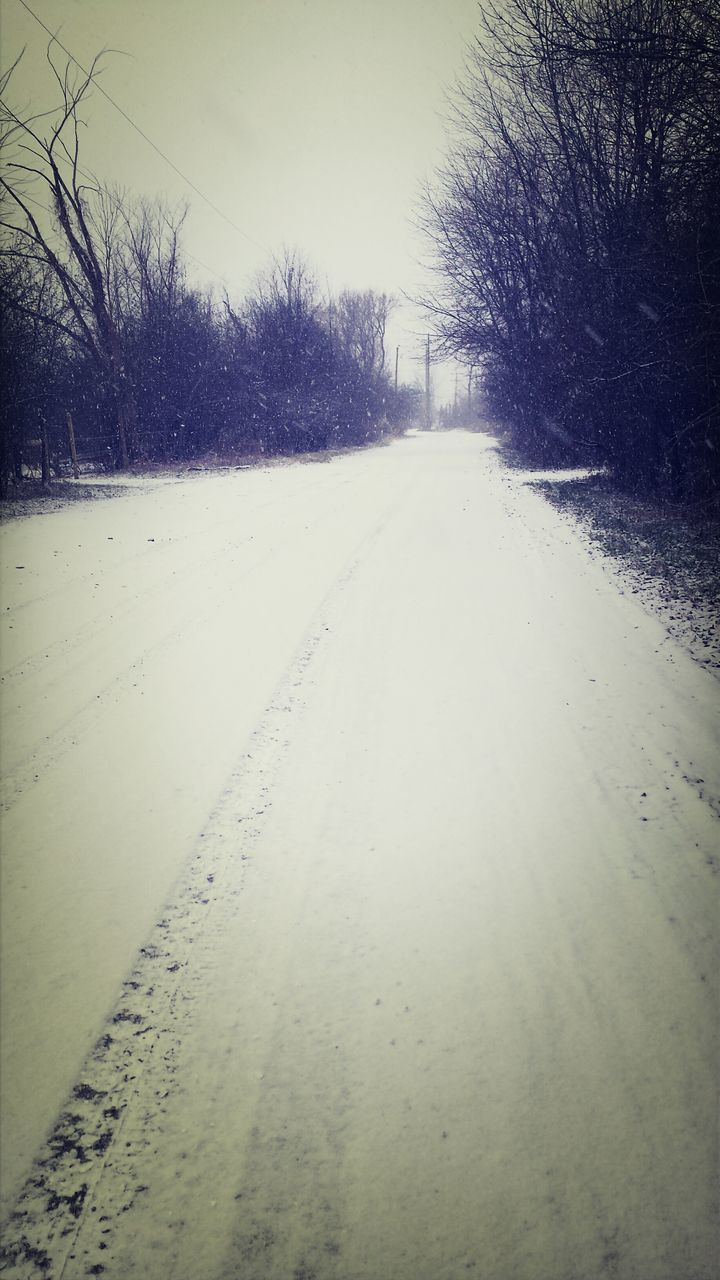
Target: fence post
x=73, y=450
x=44, y=455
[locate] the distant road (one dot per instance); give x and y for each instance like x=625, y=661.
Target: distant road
x=360, y=889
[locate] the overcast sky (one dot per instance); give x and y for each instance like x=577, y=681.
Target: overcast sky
x=310, y=123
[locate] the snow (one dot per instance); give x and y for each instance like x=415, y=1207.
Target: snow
x=424, y=812
x=141, y=641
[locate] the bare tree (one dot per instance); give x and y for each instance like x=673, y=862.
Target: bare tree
x=575, y=234
x=32, y=355
x=74, y=236
x=359, y=324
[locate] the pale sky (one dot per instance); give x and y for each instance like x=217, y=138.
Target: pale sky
x=310, y=123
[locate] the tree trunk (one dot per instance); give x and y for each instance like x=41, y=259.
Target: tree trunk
x=45, y=455
x=127, y=423
x=122, y=436
x=73, y=450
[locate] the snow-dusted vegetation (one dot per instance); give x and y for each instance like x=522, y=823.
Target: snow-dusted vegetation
x=574, y=231
x=110, y=357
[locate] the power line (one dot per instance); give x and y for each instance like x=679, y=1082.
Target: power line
x=119, y=207
x=38, y=203
x=143, y=135
x=186, y=252
x=205, y=267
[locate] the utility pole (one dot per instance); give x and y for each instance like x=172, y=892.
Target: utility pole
x=397, y=361
x=428, y=416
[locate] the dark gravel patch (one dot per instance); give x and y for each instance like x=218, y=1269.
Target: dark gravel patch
x=31, y=499
x=668, y=554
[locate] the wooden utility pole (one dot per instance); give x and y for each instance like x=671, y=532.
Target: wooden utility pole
x=428, y=416
x=397, y=361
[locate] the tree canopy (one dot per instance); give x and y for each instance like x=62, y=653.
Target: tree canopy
x=101, y=327
x=575, y=232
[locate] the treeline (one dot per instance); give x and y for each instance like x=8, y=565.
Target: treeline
x=576, y=233
x=103, y=339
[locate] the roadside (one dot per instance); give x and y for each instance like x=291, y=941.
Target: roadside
x=667, y=554
x=32, y=498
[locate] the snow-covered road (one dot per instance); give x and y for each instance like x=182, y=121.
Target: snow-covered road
x=397, y=823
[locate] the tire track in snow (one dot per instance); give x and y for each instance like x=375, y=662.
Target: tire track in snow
x=89, y=1172
x=57, y=744
x=189, y=537
x=103, y=625
x=17, y=779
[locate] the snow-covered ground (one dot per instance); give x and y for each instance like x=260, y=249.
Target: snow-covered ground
x=360, y=859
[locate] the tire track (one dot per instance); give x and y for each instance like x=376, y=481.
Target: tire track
x=89, y=1174
x=75, y=648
